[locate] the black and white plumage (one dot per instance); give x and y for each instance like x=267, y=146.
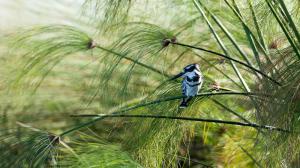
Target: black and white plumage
x=191, y=84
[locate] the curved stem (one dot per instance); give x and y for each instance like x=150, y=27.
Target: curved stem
x=134, y=61
x=232, y=59
x=185, y=119
x=229, y=110
x=221, y=45
x=155, y=102
x=219, y=70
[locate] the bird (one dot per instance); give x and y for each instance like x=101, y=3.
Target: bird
x=191, y=83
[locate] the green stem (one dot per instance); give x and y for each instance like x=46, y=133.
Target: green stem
x=290, y=20
x=185, y=119
x=284, y=28
x=134, y=61
x=251, y=157
x=258, y=29
x=155, y=102
x=231, y=111
x=229, y=35
x=248, y=34
x=230, y=58
x=251, y=36
x=221, y=44
x=80, y=126
x=219, y=70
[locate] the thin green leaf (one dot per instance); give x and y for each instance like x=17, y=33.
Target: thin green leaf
x=246, y=87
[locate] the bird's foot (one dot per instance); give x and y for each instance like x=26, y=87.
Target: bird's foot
x=183, y=105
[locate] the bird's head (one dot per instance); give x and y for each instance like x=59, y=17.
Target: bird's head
x=187, y=69
x=191, y=68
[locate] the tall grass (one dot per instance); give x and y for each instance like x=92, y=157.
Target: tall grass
x=115, y=63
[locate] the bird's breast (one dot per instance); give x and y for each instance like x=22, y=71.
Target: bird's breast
x=193, y=79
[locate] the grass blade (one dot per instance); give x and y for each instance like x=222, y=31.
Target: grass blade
x=254, y=43
x=122, y=111
x=197, y=5
x=132, y=60
x=258, y=29
x=184, y=119
x=290, y=20
x=284, y=28
x=229, y=36
x=229, y=58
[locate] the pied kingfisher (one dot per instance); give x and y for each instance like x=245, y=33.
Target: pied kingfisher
x=191, y=84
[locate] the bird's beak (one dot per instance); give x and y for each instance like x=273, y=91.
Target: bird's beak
x=177, y=76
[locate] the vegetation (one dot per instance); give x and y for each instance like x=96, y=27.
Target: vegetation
x=87, y=84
